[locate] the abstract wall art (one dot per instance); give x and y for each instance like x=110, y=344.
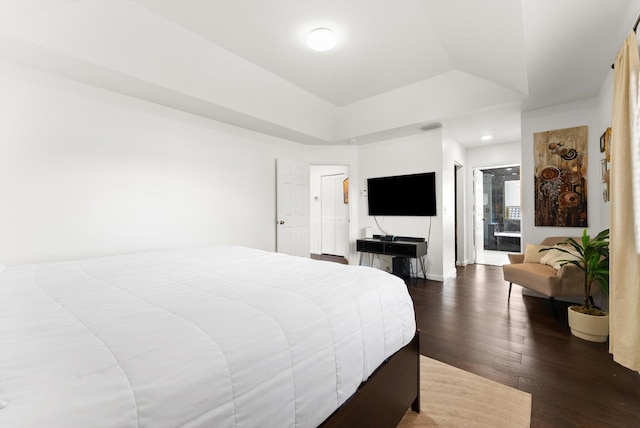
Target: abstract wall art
x=560, y=165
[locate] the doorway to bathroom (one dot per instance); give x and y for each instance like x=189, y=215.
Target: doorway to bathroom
x=497, y=223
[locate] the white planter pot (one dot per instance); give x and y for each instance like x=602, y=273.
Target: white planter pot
x=588, y=327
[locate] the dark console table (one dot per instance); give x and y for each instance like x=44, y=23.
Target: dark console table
x=399, y=248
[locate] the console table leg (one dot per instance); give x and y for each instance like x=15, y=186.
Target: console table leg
x=424, y=271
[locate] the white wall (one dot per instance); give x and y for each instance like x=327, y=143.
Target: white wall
x=315, y=211
x=605, y=108
x=558, y=117
x=483, y=157
x=87, y=172
x=495, y=155
x=408, y=155
x=452, y=154
x=596, y=114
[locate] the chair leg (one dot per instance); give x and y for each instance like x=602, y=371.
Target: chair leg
x=509, y=298
x=553, y=308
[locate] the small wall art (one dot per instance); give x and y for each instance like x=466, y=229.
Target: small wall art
x=560, y=165
x=604, y=143
x=605, y=180
x=345, y=190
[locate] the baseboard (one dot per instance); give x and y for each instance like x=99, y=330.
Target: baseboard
x=451, y=274
x=442, y=278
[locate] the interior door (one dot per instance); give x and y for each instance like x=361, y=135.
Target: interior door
x=333, y=215
x=292, y=208
x=478, y=215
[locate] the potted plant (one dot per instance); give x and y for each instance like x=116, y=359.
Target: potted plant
x=592, y=257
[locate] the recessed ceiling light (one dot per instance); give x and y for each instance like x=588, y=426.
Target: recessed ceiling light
x=321, y=39
x=486, y=137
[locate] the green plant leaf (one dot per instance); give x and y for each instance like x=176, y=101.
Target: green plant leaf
x=593, y=260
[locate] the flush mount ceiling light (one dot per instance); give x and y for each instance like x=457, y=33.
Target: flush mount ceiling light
x=486, y=137
x=321, y=39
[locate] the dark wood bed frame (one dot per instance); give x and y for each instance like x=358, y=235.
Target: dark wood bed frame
x=384, y=398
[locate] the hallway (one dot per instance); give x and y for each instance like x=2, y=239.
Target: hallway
x=495, y=258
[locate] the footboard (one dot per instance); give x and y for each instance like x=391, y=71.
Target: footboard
x=384, y=398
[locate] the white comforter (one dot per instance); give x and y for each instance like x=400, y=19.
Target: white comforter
x=220, y=337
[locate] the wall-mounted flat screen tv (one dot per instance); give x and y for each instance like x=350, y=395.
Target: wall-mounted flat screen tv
x=403, y=195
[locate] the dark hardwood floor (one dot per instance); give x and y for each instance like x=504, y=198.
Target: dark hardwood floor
x=467, y=322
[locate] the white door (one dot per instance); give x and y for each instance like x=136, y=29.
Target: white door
x=333, y=215
x=478, y=214
x=292, y=208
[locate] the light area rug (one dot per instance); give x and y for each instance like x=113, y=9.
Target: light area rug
x=450, y=397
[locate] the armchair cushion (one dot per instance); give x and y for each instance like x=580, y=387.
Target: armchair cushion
x=532, y=253
x=556, y=258
x=541, y=278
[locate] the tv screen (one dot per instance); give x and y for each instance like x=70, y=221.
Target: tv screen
x=403, y=195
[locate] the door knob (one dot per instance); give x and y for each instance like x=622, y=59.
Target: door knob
x=281, y=222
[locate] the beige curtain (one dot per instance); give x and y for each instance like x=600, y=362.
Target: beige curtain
x=624, y=297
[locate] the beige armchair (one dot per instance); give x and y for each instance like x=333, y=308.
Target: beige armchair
x=527, y=271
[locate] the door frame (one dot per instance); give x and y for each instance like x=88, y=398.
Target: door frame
x=336, y=200
x=478, y=210
x=459, y=210
x=473, y=183
x=314, y=229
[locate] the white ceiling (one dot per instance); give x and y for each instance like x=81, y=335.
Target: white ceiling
x=473, y=65
x=379, y=49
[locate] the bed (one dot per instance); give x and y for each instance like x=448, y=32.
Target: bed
x=215, y=337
